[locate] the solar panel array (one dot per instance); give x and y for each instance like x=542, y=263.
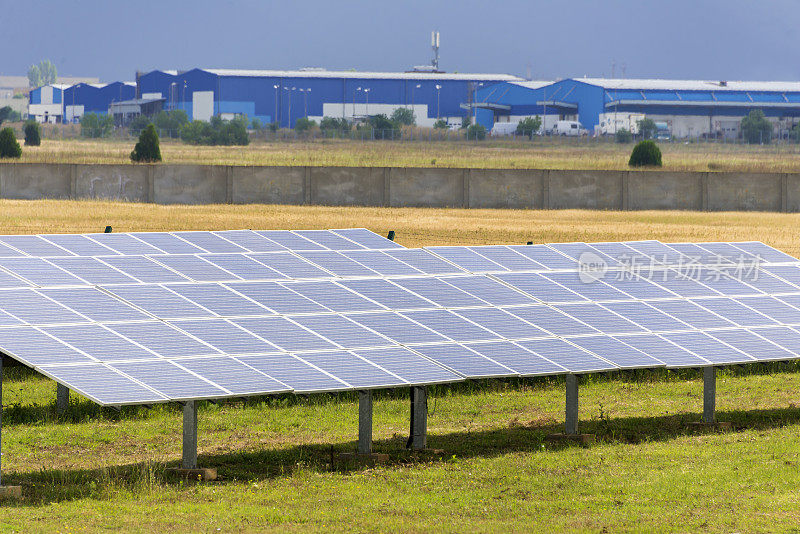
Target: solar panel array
x=154, y=317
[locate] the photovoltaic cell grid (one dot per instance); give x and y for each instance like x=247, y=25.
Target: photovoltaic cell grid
x=381, y=318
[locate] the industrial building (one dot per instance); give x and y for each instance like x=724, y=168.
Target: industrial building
x=68, y=103
x=284, y=96
x=690, y=108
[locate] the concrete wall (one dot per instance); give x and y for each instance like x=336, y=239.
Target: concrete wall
x=384, y=186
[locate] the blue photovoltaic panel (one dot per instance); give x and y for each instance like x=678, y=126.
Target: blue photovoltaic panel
x=210, y=242
x=570, y=357
x=32, y=347
x=597, y=317
x=490, y=290
x=385, y=293
x=507, y=258
x=250, y=240
x=80, y=245
x=98, y=342
x=195, y=268
x=729, y=252
x=289, y=240
x=440, y=292
x=789, y=273
x=167, y=242
x=225, y=336
x=328, y=239
x=467, y=259
x=515, y=357
x=10, y=281
x=767, y=283
x=336, y=263
x=354, y=370
x=295, y=373
x=9, y=320
x=424, y=261
x=657, y=252
x=545, y=256
x=95, y=304
x=92, y=270
x=39, y=272
x=170, y=380
x=125, y=244
x=725, y=284
x=285, y=334
x=502, y=323
x=617, y=352
x=236, y=377
x=144, y=269
x=622, y=254
x=162, y=339
x=397, y=328
x=366, y=238
x=34, y=245
x=788, y=338
x=709, y=348
x=333, y=296
x=683, y=283
x=277, y=297
x=243, y=267
x=588, y=287
x=219, y=299
x=343, y=332
x=773, y=308
x=451, y=325
x=735, y=312
x=380, y=263
x=103, y=384
x=752, y=344
x=539, y=287
x=408, y=365
x=551, y=320
x=36, y=309
x=6, y=251
x=646, y=316
x=636, y=286
x=669, y=353
x=464, y=361
x=690, y=313
x=765, y=252
x=159, y=301
x=583, y=253
x=289, y=265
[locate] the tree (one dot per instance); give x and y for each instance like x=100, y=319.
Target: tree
x=403, y=117
x=331, y=123
x=477, y=132
x=529, y=126
x=9, y=147
x=440, y=124
x=45, y=73
x=34, y=76
x=147, y=150
x=94, y=125
x=303, y=124
x=33, y=134
x=169, y=122
x=647, y=128
x=256, y=125
x=756, y=128
x=645, y=153
x=216, y=132
x=138, y=123
x=623, y=135
x=5, y=113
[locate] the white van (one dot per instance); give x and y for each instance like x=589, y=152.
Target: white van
x=569, y=128
x=504, y=128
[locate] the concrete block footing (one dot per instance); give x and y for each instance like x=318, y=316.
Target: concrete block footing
x=10, y=492
x=720, y=426
x=202, y=473
x=583, y=440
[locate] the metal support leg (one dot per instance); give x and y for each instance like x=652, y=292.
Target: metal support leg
x=189, y=435
x=364, y=422
x=62, y=399
x=709, y=394
x=571, y=417
x=419, y=417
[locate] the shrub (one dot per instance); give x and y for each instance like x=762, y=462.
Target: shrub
x=94, y=125
x=138, y=123
x=440, y=124
x=33, y=134
x=256, y=125
x=216, y=132
x=169, y=123
x=529, y=126
x=623, y=136
x=303, y=124
x=403, y=117
x=9, y=148
x=147, y=149
x=476, y=131
x=756, y=128
x=645, y=153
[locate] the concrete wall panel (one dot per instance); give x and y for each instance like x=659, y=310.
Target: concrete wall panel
x=660, y=190
x=347, y=186
x=426, y=187
x=744, y=192
x=189, y=184
x=112, y=182
x=267, y=185
x=35, y=180
x=585, y=190
x=504, y=188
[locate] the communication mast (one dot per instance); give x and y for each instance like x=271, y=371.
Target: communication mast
x=435, y=47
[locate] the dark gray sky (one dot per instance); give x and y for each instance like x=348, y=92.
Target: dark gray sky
x=705, y=39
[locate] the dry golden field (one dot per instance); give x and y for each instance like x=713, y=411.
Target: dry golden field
x=539, y=154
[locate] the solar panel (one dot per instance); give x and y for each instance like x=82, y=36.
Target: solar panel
x=387, y=294
x=250, y=240
x=545, y=256
x=210, y=242
x=285, y=334
x=355, y=371
x=103, y=384
x=159, y=301
x=170, y=379
x=219, y=299
x=765, y=252
x=94, y=304
x=397, y=328
x=162, y=339
x=691, y=314
x=490, y=290
x=568, y=356
x=540, y=287
x=515, y=357
x=39, y=272
x=408, y=365
x=333, y=296
x=467, y=259
x=599, y=318
x=773, y=308
x=277, y=298
x=124, y=244
x=669, y=353
x=299, y=375
x=381, y=263
x=289, y=265
x=616, y=352
x=735, y=312
x=194, y=268
x=646, y=316
x=502, y=323
x=33, y=245
x=234, y=376
x=439, y=292
x=168, y=243
x=465, y=360
x=508, y=258
x=450, y=325
x=98, y=342
x=337, y=263
x=583, y=253
x=551, y=320
x=586, y=287
x=35, y=348
x=367, y=239
x=80, y=245
x=709, y=348
x=752, y=344
x=33, y=308
x=225, y=336
x=92, y=270
x=341, y=331
x=329, y=239
x=424, y=261
x=144, y=269
x=240, y=266
x=289, y=240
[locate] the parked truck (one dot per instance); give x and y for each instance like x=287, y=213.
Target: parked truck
x=611, y=123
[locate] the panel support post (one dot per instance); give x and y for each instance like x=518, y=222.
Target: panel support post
x=709, y=394
x=571, y=416
x=365, y=422
x=419, y=418
x=189, y=435
x=62, y=398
